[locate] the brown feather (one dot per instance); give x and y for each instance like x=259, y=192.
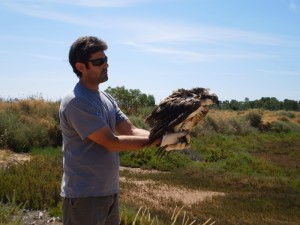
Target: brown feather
x=182, y=110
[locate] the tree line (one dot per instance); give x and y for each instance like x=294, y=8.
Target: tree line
x=267, y=103
x=131, y=100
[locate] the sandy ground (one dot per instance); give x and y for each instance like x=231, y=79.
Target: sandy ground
x=8, y=157
x=154, y=193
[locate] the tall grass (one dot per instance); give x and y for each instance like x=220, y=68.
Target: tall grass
x=11, y=213
x=144, y=217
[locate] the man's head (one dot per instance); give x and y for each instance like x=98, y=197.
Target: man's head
x=82, y=49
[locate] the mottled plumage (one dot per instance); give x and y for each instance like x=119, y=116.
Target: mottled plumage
x=181, y=111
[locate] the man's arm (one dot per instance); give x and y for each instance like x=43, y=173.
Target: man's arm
x=129, y=138
x=132, y=138
x=127, y=128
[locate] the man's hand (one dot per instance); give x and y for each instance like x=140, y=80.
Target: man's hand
x=175, y=141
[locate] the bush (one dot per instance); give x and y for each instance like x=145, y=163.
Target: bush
x=288, y=114
x=13, y=133
x=232, y=126
x=238, y=126
x=211, y=124
x=148, y=159
x=36, y=183
x=139, y=122
x=283, y=127
x=29, y=123
x=254, y=118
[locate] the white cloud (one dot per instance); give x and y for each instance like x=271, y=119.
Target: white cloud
x=166, y=32
x=157, y=31
x=178, y=40
x=183, y=56
x=45, y=13
x=32, y=55
x=84, y=3
x=282, y=73
x=172, y=52
x=103, y=3
x=293, y=6
x=12, y=38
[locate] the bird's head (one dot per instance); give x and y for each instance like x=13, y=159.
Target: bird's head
x=206, y=96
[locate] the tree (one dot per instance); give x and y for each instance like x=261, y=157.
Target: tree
x=269, y=103
x=130, y=101
x=290, y=105
x=235, y=105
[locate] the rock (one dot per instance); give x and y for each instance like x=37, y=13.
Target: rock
x=40, y=215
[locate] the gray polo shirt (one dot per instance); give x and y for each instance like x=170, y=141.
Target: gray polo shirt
x=89, y=169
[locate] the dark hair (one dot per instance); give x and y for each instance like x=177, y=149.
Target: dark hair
x=82, y=49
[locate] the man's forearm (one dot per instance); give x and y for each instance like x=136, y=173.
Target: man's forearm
x=140, y=132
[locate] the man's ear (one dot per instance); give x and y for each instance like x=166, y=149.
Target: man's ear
x=80, y=66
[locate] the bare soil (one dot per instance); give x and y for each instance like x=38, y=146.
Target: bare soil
x=8, y=157
x=157, y=194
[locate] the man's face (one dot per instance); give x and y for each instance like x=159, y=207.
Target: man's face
x=97, y=71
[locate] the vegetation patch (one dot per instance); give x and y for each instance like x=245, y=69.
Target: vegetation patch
x=250, y=156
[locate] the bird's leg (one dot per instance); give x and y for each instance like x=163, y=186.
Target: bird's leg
x=184, y=139
x=160, y=152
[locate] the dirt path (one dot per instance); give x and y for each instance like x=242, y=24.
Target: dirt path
x=149, y=192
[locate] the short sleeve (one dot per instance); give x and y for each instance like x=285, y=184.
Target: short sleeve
x=84, y=117
x=120, y=116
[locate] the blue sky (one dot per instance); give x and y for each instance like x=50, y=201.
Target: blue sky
x=238, y=48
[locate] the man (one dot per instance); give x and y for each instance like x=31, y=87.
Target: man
x=94, y=130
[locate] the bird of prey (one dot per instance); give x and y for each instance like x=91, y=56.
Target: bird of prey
x=181, y=111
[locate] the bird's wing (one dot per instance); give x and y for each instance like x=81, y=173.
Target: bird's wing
x=168, y=114
x=179, y=99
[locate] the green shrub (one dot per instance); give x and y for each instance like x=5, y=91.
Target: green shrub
x=283, y=127
x=288, y=114
x=148, y=159
x=36, y=183
x=238, y=126
x=29, y=123
x=13, y=132
x=211, y=124
x=4, y=139
x=145, y=111
x=232, y=126
x=254, y=118
x=139, y=122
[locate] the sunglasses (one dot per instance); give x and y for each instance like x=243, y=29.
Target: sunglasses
x=98, y=62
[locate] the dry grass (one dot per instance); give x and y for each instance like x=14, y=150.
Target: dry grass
x=144, y=217
x=267, y=116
